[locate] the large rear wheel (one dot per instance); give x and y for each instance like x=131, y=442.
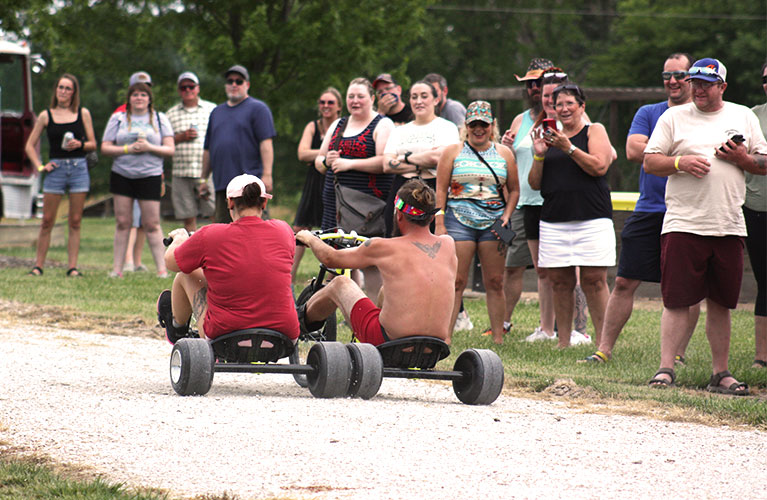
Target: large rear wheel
x=332, y=369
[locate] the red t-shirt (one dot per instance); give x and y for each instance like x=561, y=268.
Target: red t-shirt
x=247, y=264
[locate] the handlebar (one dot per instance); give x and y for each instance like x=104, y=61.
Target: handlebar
x=339, y=239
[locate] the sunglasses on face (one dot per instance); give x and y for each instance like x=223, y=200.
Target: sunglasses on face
x=184, y=88
x=703, y=85
x=534, y=83
x=64, y=88
x=235, y=81
x=764, y=79
x=678, y=75
x=326, y=103
x=478, y=123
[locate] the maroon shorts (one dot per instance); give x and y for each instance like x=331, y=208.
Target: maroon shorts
x=695, y=267
x=365, y=323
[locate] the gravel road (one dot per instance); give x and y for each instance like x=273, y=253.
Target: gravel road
x=104, y=402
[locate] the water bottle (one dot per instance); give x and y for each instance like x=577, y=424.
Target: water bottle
x=68, y=136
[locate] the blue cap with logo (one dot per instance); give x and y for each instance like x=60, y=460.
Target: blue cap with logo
x=708, y=69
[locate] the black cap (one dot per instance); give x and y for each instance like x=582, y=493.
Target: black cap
x=240, y=70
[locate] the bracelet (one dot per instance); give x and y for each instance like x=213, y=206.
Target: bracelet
x=676, y=162
x=325, y=162
x=125, y=149
x=537, y=158
x=440, y=212
x=572, y=149
x=407, y=155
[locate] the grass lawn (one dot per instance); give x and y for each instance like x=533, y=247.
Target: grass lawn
x=529, y=367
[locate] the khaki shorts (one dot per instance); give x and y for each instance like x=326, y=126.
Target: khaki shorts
x=518, y=254
x=186, y=203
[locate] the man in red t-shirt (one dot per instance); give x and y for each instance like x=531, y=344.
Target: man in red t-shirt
x=232, y=276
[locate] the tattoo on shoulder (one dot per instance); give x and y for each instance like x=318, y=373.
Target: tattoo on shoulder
x=430, y=250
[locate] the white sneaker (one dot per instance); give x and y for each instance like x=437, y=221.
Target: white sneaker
x=578, y=338
x=463, y=322
x=129, y=268
x=539, y=334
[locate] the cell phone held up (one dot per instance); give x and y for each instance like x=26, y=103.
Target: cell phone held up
x=549, y=124
x=737, y=139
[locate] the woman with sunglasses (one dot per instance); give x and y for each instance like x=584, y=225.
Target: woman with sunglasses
x=576, y=229
x=471, y=179
x=139, y=138
x=309, y=211
x=413, y=149
x=69, y=128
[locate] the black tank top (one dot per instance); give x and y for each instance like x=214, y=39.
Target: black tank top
x=569, y=193
x=56, y=133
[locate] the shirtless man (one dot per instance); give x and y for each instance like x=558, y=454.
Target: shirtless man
x=418, y=271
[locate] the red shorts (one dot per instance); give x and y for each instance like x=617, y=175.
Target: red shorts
x=694, y=267
x=364, y=318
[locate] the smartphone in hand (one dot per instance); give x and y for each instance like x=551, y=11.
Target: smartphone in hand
x=549, y=123
x=737, y=139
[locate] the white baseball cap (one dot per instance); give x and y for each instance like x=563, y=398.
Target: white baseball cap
x=235, y=187
x=188, y=75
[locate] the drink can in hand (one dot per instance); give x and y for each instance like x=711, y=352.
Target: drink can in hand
x=68, y=136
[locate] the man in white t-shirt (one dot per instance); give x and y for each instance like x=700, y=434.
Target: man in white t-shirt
x=704, y=148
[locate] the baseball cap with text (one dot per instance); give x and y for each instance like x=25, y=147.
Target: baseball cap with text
x=708, y=69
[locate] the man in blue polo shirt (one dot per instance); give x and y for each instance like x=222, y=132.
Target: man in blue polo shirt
x=640, y=238
x=238, y=140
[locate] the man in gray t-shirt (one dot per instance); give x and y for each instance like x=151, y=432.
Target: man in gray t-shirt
x=448, y=109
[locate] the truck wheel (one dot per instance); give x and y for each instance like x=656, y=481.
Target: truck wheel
x=483, y=377
x=367, y=370
x=332, y=369
x=191, y=367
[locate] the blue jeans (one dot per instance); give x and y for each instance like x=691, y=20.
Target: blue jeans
x=70, y=174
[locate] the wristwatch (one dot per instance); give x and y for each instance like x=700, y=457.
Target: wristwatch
x=572, y=149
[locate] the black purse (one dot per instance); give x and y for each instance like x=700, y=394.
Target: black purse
x=504, y=233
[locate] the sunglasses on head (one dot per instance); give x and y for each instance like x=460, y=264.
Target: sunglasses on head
x=186, y=87
x=678, y=75
x=570, y=86
x=326, y=103
x=235, y=81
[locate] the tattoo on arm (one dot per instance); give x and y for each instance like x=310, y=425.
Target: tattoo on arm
x=367, y=243
x=430, y=250
x=394, y=163
x=761, y=162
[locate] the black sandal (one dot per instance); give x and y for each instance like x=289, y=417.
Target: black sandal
x=36, y=271
x=759, y=363
x=73, y=272
x=735, y=389
x=661, y=383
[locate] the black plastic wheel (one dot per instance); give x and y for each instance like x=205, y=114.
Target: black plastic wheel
x=191, y=367
x=483, y=377
x=329, y=331
x=300, y=378
x=367, y=370
x=332, y=369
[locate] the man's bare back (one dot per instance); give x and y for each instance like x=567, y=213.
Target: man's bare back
x=418, y=274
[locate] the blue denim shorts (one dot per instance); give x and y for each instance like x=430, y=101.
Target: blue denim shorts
x=70, y=174
x=461, y=232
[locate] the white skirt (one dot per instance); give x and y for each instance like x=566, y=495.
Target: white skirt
x=579, y=243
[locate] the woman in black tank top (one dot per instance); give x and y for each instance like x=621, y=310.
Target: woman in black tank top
x=309, y=211
x=70, y=137
x=576, y=230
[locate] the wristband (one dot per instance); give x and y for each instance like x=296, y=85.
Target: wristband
x=41, y=168
x=201, y=180
x=676, y=162
x=125, y=149
x=537, y=158
x=440, y=212
x=325, y=162
x=407, y=156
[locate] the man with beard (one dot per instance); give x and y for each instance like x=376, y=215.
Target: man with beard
x=238, y=140
x=640, y=238
x=418, y=271
x=517, y=138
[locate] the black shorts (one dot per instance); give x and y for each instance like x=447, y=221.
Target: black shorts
x=143, y=188
x=640, y=247
x=532, y=221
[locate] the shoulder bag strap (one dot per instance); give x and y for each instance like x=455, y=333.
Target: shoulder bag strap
x=498, y=184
